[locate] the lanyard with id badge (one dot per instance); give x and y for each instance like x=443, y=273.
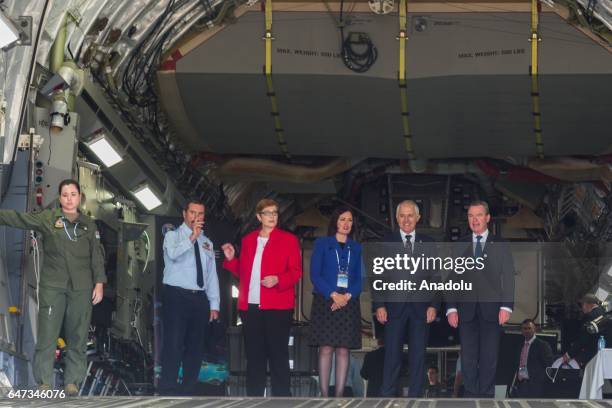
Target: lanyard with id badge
x=61, y=223
x=74, y=232
x=343, y=271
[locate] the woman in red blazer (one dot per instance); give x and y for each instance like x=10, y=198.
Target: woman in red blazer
x=269, y=266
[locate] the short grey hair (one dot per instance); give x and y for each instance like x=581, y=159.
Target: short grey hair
x=477, y=203
x=407, y=202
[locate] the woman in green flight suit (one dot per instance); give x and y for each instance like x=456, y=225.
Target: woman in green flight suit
x=71, y=280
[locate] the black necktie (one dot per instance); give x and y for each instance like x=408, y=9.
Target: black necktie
x=478, y=249
x=200, y=278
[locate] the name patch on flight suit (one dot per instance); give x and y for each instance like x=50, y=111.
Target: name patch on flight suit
x=97, y=234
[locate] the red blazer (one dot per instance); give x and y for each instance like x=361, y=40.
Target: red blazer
x=281, y=257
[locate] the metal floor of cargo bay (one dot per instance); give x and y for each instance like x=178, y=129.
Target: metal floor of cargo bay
x=244, y=402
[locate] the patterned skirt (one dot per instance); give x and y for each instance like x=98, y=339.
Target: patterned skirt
x=340, y=328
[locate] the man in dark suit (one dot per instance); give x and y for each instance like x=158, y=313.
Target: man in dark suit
x=530, y=364
x=416, y=314
x=372, y=370
x=481, y=312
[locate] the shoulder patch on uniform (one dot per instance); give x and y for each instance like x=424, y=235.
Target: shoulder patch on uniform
x=167, y=227
x=59, y=223
x=207, y=246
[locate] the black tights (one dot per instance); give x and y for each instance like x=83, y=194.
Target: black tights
x=342, y=364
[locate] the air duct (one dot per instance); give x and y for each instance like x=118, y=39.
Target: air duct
x=268, y=170
x=573, y=169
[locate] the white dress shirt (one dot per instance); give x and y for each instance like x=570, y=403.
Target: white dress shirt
x=483, y=240
x=180, y=268
x=410, y=236
x=255, y=282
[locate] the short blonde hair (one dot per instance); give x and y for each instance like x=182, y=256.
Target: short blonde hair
x=265, y=202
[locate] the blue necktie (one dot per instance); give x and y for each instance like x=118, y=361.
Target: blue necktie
x=200, y=278
x=478, y=249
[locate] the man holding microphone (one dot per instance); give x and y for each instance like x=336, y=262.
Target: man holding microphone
x=191, y=291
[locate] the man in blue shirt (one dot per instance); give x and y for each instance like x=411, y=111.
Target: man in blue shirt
x=190, y=300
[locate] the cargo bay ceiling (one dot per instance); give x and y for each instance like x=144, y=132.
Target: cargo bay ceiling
x=185, y=82
x=468, y=84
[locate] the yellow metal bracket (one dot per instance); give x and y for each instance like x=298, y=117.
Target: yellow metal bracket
x=402, y=37
x=535, y=88
x=271, y=93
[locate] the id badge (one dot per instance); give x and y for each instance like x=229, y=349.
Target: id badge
x=342, y=280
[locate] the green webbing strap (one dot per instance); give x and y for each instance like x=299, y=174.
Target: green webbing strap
x=535, y=90
x=402, y=80
x=278, y=129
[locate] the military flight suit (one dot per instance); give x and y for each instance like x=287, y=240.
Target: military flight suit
x=72, y=264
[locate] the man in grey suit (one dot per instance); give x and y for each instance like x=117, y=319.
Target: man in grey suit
x=488, y=307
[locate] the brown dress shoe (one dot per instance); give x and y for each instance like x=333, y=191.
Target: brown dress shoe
x=71, y=390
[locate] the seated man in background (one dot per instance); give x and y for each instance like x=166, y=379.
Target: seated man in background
x=532, y=359
x=372, y=370
x=373, y=367
x=433, y=387
x=585, y=347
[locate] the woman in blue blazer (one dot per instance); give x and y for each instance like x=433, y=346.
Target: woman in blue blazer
x=335, y=321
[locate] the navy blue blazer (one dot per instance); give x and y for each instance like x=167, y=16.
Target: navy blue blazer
x=324, y=266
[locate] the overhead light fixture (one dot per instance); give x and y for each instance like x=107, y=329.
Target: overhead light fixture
x=381, y=6
x=104, y=150
x=147, y=197
x=9, y=34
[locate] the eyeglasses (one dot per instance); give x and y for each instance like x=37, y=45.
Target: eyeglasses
x=269, y=213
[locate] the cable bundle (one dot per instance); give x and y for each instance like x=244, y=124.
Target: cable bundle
x=358, y=51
